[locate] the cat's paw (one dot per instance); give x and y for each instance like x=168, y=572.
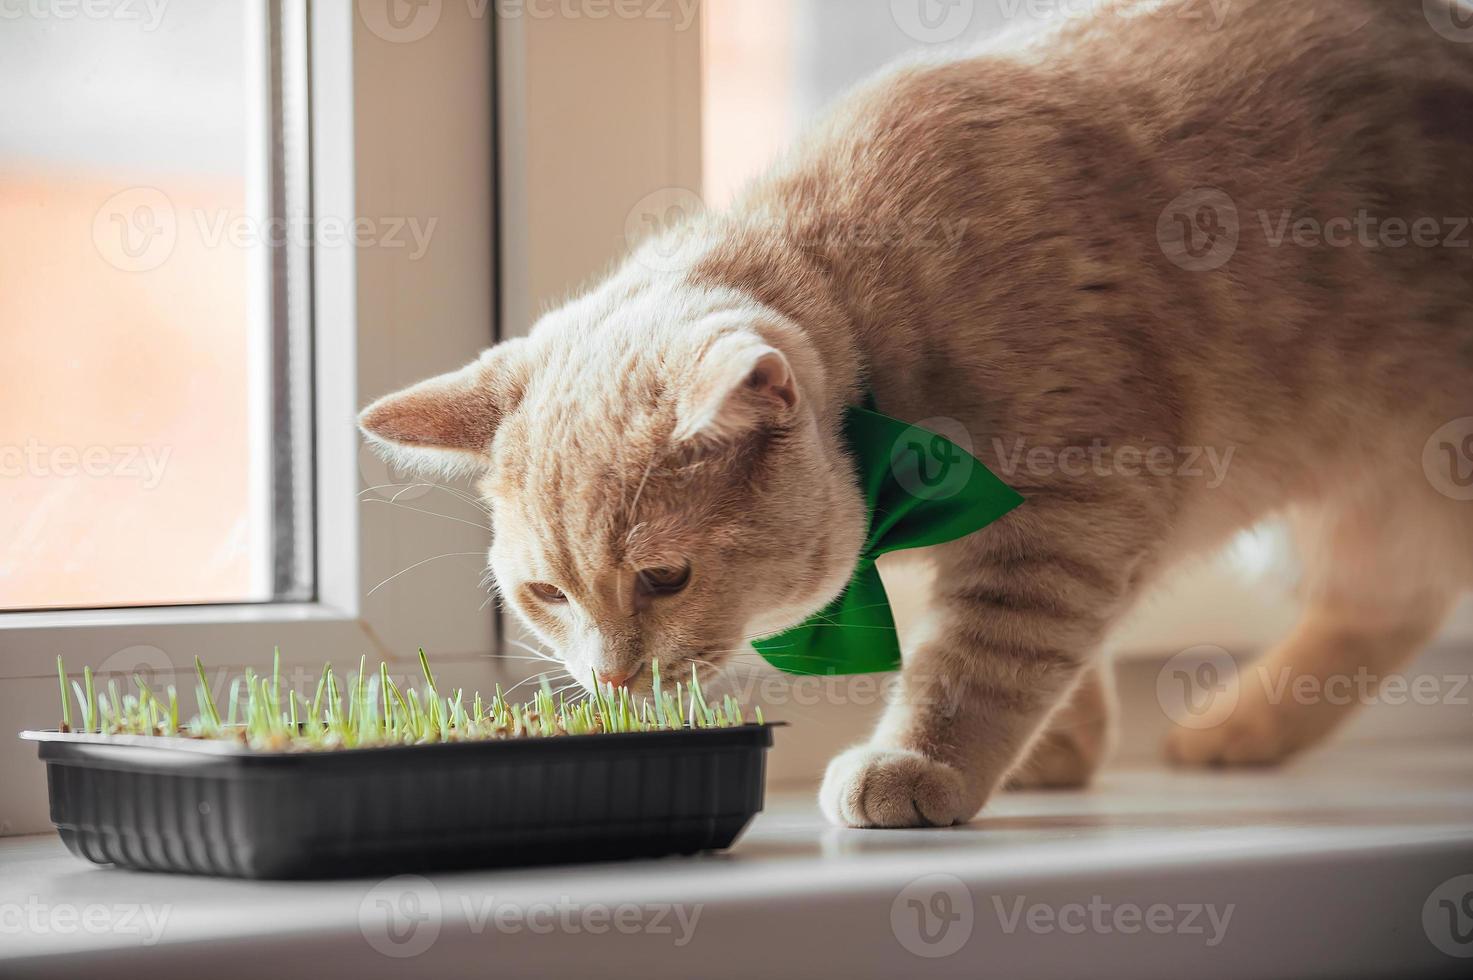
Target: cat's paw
x=1246, y=739
x=873, y=787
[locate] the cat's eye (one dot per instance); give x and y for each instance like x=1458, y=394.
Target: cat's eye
x=665, y=580
x=547, y=593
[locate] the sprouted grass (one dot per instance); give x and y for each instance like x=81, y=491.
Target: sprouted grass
x=366, y=708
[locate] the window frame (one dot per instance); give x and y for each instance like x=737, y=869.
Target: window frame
x=351, y=72
x=356, y=168
x=398, y=130
x=33, y=638
x=357, y=162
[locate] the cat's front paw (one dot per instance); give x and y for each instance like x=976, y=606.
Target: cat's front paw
x=876, y=787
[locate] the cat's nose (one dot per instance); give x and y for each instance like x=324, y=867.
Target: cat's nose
x=617, y=676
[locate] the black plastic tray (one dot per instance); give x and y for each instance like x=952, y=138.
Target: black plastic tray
x=209, y=807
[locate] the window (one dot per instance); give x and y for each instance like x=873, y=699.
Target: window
x=155, y=387
x=323, y=232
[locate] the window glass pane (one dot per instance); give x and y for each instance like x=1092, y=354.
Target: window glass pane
x=140, y=311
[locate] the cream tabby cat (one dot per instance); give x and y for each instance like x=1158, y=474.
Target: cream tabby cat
x=1037, y=242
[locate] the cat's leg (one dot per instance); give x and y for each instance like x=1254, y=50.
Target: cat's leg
x=1076, y=739
x=1382, y=572
x=1077, y=736
x=1305, y=687
x=1015, y=623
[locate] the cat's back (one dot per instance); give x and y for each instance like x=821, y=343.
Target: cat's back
x=1029, y=183
x=1230, y=86
x=1080, y=137
x=1279, y=89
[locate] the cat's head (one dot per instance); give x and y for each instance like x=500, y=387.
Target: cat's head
x=663, y=480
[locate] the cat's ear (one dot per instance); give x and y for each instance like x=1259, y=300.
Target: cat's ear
x=741, y=382
x=445, y=425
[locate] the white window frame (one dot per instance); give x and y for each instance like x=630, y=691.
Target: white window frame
x=398, y=130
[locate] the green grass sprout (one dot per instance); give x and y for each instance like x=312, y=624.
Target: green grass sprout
x=92, y=721
x=368, y=709
x=66, y=705
x=208, y=706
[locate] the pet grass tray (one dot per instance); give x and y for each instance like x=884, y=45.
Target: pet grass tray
x=219, y=807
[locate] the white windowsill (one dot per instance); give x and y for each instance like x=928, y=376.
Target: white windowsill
x=204, y=614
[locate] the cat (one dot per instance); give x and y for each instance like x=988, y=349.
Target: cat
x=1101, y=250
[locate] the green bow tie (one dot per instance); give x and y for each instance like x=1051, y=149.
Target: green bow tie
x=921, y=489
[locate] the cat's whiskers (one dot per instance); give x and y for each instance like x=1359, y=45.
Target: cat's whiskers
x=547, y=655
x=404, y=488
x=431, y=513
x=534, y=677
x=426, y=561
x=457, y=494
x=733, y=665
